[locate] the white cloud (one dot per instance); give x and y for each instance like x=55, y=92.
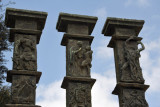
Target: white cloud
x=101, y=13
x=140, y=3
x=150, y=62
x=102, y=52
x=102, y=90
x=52, y=94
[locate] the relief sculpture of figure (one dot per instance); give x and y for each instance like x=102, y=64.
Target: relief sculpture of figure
x=24, y=58
x=88, y=58
x=132, y=56
x=80, y=97
x=16, y=59
x=76, y=53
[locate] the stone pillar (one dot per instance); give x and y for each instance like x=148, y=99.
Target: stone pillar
x=78, y=82
x=25, y=31
x=130, y=86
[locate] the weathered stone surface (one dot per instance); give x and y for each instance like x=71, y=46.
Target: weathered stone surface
x=76, y=24
x=25, y=53
x=27, y=17
x=130, y=70
x=68, y=36
x=15, y=31
x=69, y=79
x=10, y=74
x=23, y=89
x=78, y=94
x=130, y=82
x=129, y=85
x=126, y=52
x=77, y=40
x=132, y=98
x=122, y=27
x=25, y=22
x=26, y=28
x=79, y=58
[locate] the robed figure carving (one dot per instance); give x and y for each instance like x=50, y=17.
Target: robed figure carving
x=130, y=69
x=80, y=59
x=24, y=55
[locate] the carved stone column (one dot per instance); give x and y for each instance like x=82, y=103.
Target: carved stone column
x=130, y=86
x=77, y=39
x=25, y=31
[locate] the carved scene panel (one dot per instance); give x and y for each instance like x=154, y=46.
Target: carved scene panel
x=128, y=66
x=25, y=53
x=79, y=57
x=133, y=98
x=78, y=95
x=23, y=89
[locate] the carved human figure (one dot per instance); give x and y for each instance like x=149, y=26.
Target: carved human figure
x=75, y=52
x=76, y=55
x=87, y=59
x=132, y=56
x=24, y=58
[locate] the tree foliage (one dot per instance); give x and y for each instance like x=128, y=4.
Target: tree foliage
x=5, y=92
x=4, y=95
x=4, y=44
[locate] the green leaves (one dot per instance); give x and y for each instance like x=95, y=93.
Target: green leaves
x=5, y=93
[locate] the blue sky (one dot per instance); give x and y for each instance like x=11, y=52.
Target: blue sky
x=51, y=55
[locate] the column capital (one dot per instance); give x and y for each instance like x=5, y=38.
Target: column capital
x=67, y=36
x=65, y=21
x=25, y=22
x=112, y=23
x=129, y=85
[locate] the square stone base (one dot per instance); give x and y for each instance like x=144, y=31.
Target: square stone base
x=21, y=105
